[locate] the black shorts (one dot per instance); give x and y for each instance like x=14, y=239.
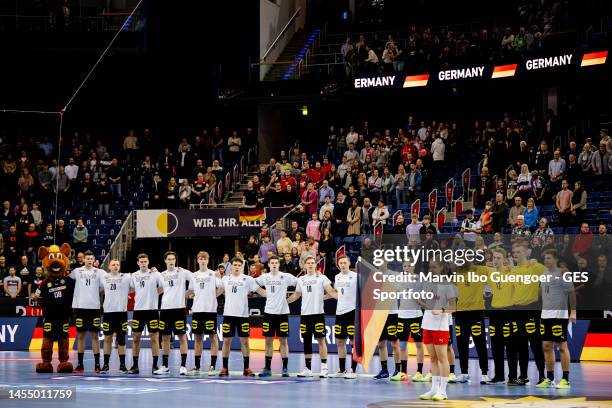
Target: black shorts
x=344, y=326
x=56, y=329
x=172, y=321
x=469, y=327
x=554, y=330
x=204, y=323
x=275, y=325
x=312, y=325
x=236, y=324
x=390, y=330
x=410, y=328
x=115, y=322
x=148, y=318
x=87, y=320
x=450, y=335
x=528, y=325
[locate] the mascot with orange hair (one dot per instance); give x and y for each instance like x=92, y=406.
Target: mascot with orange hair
x=55, y=297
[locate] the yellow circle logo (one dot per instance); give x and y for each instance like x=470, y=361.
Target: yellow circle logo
x=162, y=222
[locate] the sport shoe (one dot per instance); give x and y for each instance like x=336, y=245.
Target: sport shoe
x=563, y=384
x=427, y=377
x=194, y=372
x=265, y=373
x=452, y=378
x=417, y=377
x=516, y=383
x=399, y=376
x=463, y=378
x=183, y=370
x=381, y=374
x=495, y=380
x=285, y=372
x=339, y=374
x=211, y=371
x=163, y=370
x=525, y=380
x=428, y=395
x=247, y=372
x=350, y=375
x=306, y=372
x=123, y=369
x=324, y=371
x=79, y=369
x=133, y=370
x=97, y=369
x=484, y=379
x=439, y=396
x=224, y=372
x=104, y=369
x=545, y=383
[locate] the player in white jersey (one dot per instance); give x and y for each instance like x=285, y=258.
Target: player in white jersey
x=345, y=284
x=276, y=313
x=86, y=306
x=556, y=294
x=116, y=287
x=312, y=288
x=172, y=313
x=146, y=284
x=204, y=313
x=237, y=287
x=409, y=319
x=436, y=330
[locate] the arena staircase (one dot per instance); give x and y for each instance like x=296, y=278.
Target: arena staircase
x=287, y=57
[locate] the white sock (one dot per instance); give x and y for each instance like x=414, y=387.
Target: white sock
x=435, y=384
x=442, y=385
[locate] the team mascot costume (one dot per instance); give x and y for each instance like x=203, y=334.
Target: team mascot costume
x=55, y=297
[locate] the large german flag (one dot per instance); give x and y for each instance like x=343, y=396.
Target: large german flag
x=594, y=58
x=252, y=214
x=371, y=314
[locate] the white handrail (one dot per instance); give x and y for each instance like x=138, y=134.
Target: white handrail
x=291, y=21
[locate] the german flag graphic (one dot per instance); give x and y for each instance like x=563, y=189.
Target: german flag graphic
x=252, y=214
x=504, y=71
x=412, y=81
x=594, y=58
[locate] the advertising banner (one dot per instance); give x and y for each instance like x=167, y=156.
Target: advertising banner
x=16, y=332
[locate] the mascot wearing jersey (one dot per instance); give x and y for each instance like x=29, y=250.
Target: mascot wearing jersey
x=55, y=297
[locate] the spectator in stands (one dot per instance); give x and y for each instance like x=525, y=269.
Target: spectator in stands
x=340, y=215
x=103, y=194
x=556, y=170
x=60, y=184
x=115, y=174
x=265, y=248
x=313, y=227
x=184, y=194
x=413, y=229
x=31, y=242
x=326, y=192
x=61, y=232
x=515, y=211
x=12, y=283
x=538, y=188
x=512, y=186
x=283, y=244
x=438, y=150
x=380, y=213
x=486, y=218
x=400, y=186
x=184, y=162
x=79, y=236
x=25, y=183
x=234, y=145
x=602, y=242
x=585, y=160
x=520, y=229
x=507, y=42
x=353, y=218
x=601, y=162
x=309, y=200
x=531, y=215
x=371, y=61
x=470, y=228
x=413, y=182
x=564, y=204
x=574, y=170
x=523, y=183
x=579, y=203
x=217, y=143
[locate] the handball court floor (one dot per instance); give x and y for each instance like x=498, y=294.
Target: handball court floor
x=591, y=387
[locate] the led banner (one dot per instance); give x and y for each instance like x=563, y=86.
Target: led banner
x=16, y=332
x=544, y=63
x=204, y=222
